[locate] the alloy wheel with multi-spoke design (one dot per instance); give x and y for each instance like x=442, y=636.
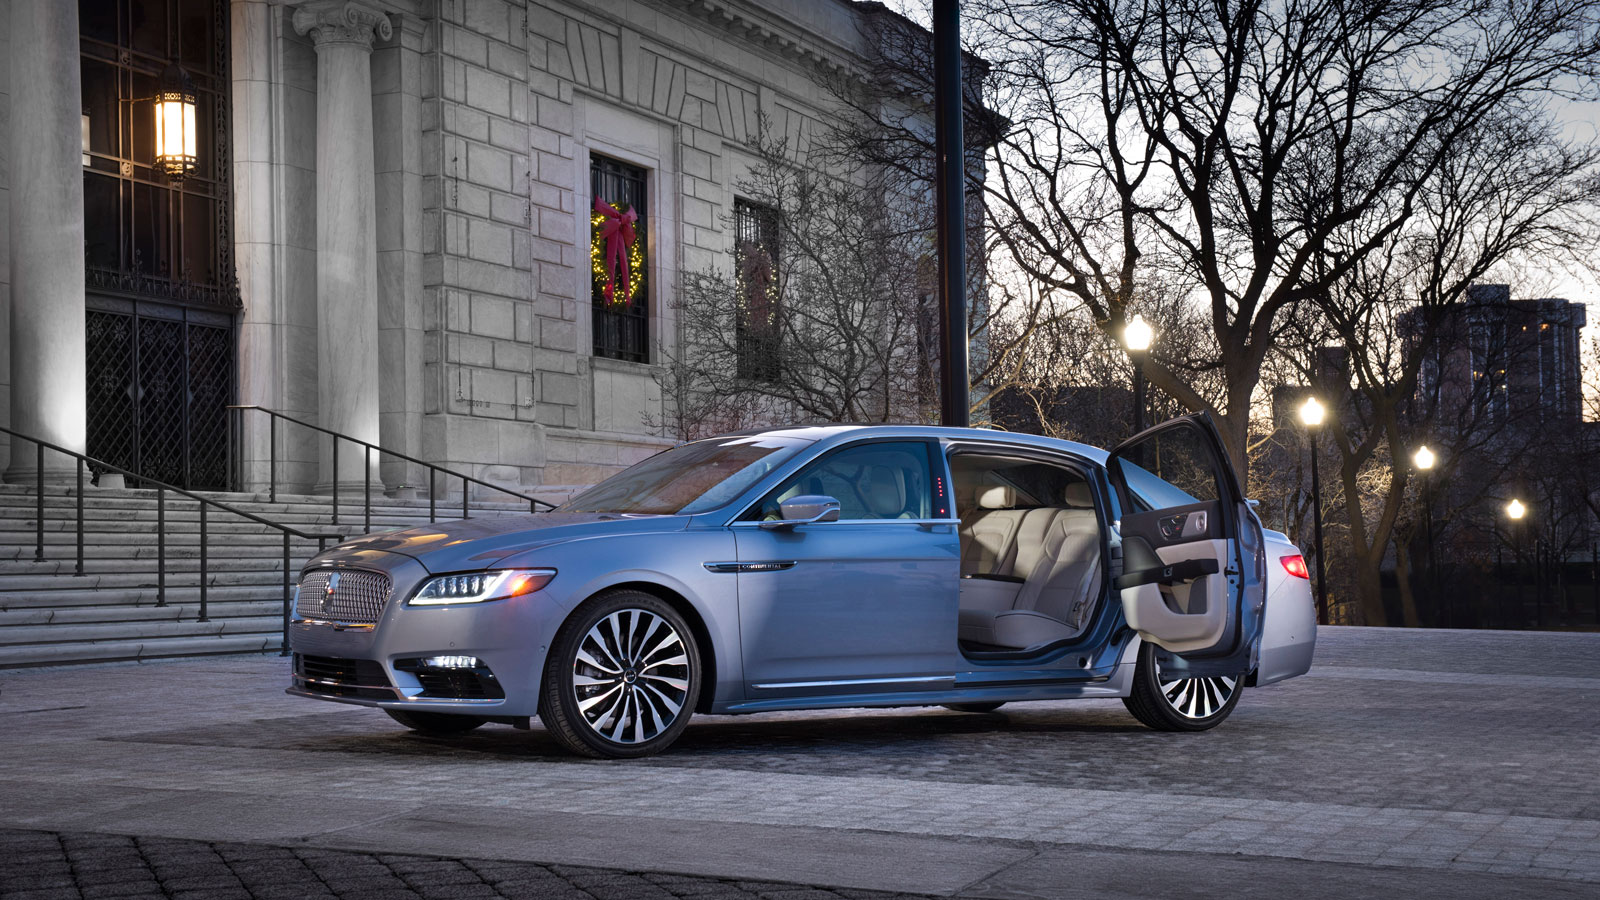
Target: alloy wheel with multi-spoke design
x=622, y=677
x=1172, y=703
x=631, y=676
x=1197, y=698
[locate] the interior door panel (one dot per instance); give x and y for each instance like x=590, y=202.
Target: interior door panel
x=1176, y=606
x=1185, y=532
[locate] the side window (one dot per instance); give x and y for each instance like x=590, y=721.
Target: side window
x=1173, y=467
x=885, y=480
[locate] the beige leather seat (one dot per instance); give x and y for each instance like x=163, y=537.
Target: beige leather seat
x=883, y=489
x=1056, y=553
x=989, y=531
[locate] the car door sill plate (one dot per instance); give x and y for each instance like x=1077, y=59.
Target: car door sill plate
x=850, y=682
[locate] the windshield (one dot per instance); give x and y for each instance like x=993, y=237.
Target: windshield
x=690, y=479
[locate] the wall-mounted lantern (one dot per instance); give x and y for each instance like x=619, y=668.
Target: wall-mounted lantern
x=176, y=133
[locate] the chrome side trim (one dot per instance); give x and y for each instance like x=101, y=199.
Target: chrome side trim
x=766, y=565
x=781, y=685
x=862, y=522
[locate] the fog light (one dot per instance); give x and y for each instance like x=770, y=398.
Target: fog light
x=451, y=662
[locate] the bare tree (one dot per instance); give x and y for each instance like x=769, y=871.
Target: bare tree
x=832, y=316
x=1507, y=186
x=1255, y=152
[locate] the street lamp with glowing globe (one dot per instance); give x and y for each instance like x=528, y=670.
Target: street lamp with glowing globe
x=1137, y=337
x=1312, y=414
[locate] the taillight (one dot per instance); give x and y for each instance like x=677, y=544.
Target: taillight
x=1296, y=565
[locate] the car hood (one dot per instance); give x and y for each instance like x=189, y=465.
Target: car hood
x=478, y=543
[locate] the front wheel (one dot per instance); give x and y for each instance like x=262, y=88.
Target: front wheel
x=622, y=677
x=1168, y=703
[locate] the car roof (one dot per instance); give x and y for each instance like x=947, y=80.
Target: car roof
x=833, y=433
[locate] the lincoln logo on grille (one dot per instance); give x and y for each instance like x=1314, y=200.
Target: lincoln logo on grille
x=327, y=596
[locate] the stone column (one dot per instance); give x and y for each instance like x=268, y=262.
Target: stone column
x=46, y=230
x=347, y=250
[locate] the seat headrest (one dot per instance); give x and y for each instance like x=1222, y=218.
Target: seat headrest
x=998, y=496
x=1078, y=496
x=884, y=491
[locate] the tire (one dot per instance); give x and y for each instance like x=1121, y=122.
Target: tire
x=602, y=699
x=975, y=707
x=1188, y=704
x=435, y=723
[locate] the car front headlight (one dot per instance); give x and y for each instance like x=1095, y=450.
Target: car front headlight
x=480, y=587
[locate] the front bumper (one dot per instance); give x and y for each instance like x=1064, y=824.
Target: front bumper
x=378, y=665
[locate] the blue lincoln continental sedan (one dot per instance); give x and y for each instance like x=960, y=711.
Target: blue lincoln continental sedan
x=816, y=567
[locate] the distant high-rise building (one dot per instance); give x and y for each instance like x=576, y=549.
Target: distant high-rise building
x=1514, y=358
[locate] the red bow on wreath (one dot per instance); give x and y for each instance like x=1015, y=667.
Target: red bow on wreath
x=618, y=235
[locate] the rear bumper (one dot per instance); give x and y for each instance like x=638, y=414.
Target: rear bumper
x=1288, y=632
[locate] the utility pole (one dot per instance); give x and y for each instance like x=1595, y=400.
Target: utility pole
x=950, y=189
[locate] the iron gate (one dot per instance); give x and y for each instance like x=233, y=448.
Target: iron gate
x=160, y=379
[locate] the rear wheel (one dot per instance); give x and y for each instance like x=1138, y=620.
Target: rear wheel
x=975, y=707
x=435, y=723
x=622, y=678
x=1168, y=703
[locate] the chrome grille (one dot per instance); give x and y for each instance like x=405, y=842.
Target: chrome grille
x=346, y=596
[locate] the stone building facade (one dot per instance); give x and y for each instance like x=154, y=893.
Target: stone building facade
x=403, y=191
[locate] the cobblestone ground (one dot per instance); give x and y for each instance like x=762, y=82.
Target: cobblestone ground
x=1448, y=764
x=54, y=866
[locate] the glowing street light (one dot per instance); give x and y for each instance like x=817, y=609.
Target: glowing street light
x=1515, y=510
x=1424, y=458
x=1137, y=337
x=1312, y=414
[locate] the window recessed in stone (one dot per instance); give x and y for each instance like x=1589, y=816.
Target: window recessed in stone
x=758, y=297
x=620, y=294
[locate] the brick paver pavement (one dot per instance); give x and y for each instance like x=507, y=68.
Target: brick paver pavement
x=37, y=865
x=1440, y=756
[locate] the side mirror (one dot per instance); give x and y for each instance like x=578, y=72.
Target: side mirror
x=1253, y=504
x=805, y=509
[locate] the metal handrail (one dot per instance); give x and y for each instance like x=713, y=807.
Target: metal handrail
x=434, y=469
x=161, y=525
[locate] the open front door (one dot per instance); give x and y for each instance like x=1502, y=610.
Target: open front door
x=1192, y=556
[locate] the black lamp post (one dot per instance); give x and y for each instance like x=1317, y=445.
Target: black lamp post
x=950, y=194
x=1312, y=413
x=1515, y=510
x=1424, y=460
x=1138, y=337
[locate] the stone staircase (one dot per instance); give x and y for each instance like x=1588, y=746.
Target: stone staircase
x=50, y=616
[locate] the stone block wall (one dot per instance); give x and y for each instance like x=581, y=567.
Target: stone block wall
x=676, y=88
x=482, y=256
x=485, y=116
